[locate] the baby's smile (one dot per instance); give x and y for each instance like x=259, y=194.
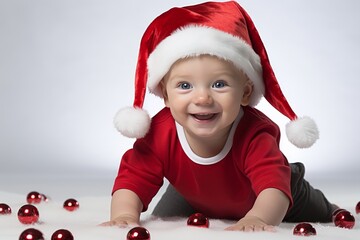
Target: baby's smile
x=204, y=116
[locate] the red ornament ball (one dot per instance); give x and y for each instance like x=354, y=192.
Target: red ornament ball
x=138, y=233
x=33, y=197
x=31, y=234
x=62, y=234
x=28, y=214
x=304, y=229
x=198, y=220
x=4, y=209
x=336, y=212
x=44, y=198
x=71, y=204
x=344, y=219
x=357, y=208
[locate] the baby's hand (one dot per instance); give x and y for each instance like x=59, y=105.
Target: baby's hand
x=251, y=224
x=121, y=221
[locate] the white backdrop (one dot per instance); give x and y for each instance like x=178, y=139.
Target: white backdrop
x=67, y=66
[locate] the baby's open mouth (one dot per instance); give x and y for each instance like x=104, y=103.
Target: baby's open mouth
x=204, y=116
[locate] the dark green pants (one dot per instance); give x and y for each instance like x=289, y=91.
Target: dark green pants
x=310, y=204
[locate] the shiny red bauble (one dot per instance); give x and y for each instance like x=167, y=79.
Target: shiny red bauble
x=31, y=234
x=71, y=204
x=357, y=208
x=304, y=229
x=62, y=234
x=4, y=209
x=336, y=212
x=28, y=214
x=44, y=198
x=33, y=197
x=344, y=219
x=138, y=233
x=198, y=220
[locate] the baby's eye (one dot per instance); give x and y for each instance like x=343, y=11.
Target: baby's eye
x=219, y=84
x=184, y=85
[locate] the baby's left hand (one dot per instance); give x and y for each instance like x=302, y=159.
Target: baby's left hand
x=251, y=224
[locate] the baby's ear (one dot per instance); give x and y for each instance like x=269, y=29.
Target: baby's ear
x=248, y=89
x=163, y=90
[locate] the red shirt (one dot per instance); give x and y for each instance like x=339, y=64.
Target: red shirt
x=225, y=189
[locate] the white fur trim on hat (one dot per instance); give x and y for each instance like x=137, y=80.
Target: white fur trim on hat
x=132, y=122
x=302, y=132
x=196, y=40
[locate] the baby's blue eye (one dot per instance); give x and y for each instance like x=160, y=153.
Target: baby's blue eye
x=219, y=84
x=184, y=85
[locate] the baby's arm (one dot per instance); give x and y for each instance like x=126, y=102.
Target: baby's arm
x=126, y=207
x=269, y=210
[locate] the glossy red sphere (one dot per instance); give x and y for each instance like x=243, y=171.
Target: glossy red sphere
x=28, y=214
x=357, y=208
x=31, y=234
x=71, y=204
x=198, y=220
x=344, y=219
x=304, y=229
x=4, y=209
x=33, y=197
x=336, y=212
x=44, y=198
x=62, y=234
x=138, y=233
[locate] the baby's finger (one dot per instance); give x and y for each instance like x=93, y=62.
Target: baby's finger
x=269, y=228
x=249, y=228
x=105, y=224
x=259, y=228
x=121, y=224
x=235, y=228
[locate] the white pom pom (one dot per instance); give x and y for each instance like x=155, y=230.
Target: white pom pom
x=302, y=132
x=132, y=122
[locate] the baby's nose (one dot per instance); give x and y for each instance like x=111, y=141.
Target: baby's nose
x=203, y=97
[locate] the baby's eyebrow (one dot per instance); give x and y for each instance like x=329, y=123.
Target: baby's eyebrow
x=224, y=73
x=180, y=76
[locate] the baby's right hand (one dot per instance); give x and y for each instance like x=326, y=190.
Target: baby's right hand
x=121, y=221
x=126, y=208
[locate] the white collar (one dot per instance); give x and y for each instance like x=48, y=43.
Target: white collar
x=211, y=160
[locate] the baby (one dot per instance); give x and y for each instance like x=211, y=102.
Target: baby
x=220, y=155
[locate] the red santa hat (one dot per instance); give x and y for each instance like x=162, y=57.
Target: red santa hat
x=221, y=29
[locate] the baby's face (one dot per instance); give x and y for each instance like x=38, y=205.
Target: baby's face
x=205, y=94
